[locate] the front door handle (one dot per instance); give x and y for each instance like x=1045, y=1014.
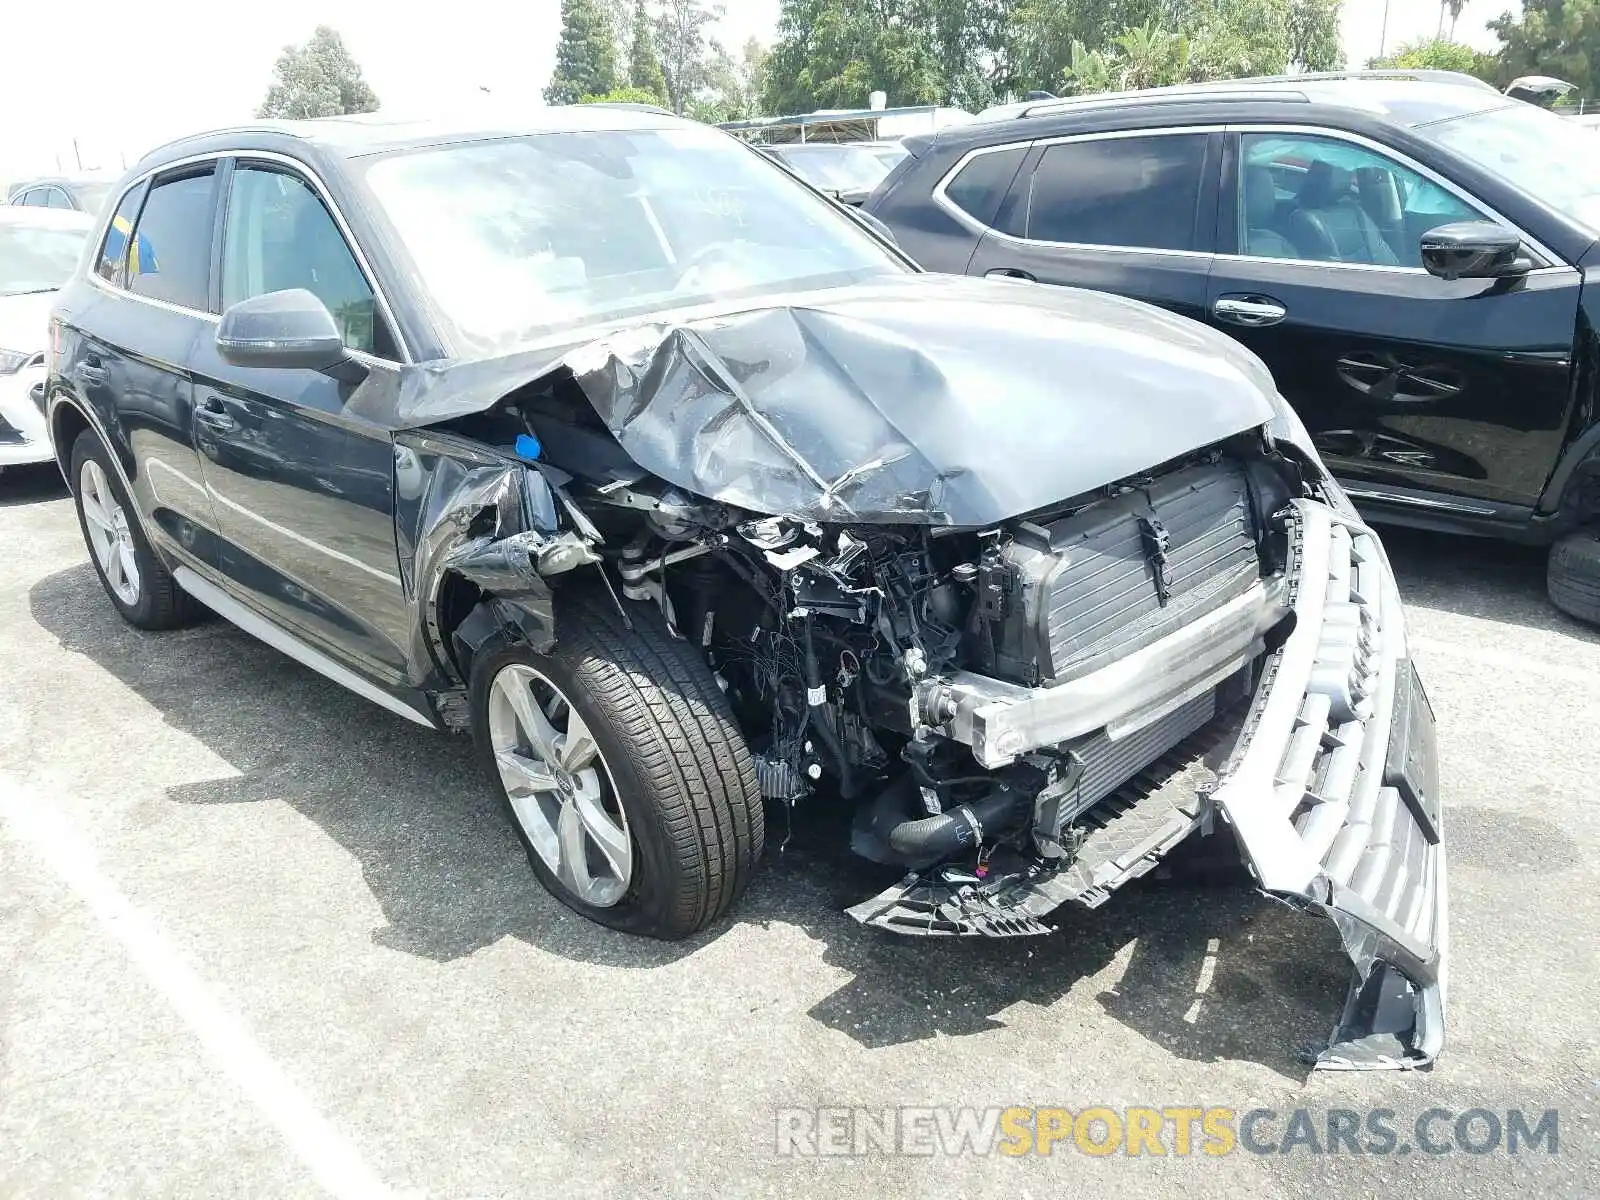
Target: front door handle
x=1009, y=273
x=214, y=416
x=1255, y=312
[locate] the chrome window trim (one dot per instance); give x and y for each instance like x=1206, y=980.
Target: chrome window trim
x=301, y=168
x=1551, y=259
x=976, y=226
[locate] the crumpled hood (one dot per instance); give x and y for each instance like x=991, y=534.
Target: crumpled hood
x=25, y=322
x=918, y=399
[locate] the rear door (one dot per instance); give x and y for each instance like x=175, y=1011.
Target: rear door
x=1128, y=212
x=146, y=310
x=304, y=490
x=1434, y=394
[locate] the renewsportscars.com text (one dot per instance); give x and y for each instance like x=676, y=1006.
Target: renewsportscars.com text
x=1179, y=1131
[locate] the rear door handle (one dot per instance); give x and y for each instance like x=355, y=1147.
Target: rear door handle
x=1254, y=312
x=1009, y=273
x=90, y=370
x=214, y=416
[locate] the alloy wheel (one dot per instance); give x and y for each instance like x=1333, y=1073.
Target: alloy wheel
x=559, y=786
x=110, y=536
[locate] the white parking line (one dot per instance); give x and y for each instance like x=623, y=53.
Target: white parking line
x=332, y=1161
x=1500, y=661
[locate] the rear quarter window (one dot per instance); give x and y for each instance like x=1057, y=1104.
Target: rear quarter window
x=977, y=188
x=1135, y=191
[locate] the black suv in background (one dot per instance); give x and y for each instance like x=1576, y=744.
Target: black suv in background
x=1406, y=253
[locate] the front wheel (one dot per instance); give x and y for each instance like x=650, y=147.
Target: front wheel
x=621, y=768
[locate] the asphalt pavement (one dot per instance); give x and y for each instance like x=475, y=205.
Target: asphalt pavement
x=260, y=938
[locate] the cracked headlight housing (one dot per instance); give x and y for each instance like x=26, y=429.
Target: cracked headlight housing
x=1287, y=426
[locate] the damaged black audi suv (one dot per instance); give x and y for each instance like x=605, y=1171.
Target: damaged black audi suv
x=671, y=480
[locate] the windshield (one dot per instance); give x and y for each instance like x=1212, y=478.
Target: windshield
x=1549, y=157
x=36, y=258
x=890, y=156
x=838, y=168
x=519, y=237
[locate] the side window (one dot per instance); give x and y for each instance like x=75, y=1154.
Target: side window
x=33, y=198
x=56, y=198
x=1328, y=200
x=1127, y=191
x=112, y=265
x=280, y=236
x=171, y=255
x=978, y=187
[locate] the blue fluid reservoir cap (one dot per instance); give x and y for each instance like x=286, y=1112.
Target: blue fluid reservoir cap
x=528, y=447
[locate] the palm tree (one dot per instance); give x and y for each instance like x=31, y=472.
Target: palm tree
x=1453, y=7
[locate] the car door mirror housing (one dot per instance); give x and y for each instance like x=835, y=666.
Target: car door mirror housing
x=287, y=330
x=1473, y=250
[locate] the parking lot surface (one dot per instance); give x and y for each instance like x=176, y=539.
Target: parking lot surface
x=258, y=937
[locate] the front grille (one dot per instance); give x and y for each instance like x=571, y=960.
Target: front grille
x=1112, y=578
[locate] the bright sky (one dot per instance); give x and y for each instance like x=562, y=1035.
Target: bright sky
x=121, y=80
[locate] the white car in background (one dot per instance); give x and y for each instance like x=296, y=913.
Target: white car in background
x=39, y=248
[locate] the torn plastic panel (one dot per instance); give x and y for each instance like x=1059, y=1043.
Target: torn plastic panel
x=1333, y=791
x=467, y=510
x=917, y=400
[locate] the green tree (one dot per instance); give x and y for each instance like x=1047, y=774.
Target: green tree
x=586, y=56
x=317, y=79
x=836, y=53
x=624, y=95
x=1551, y=37
x=1438, y=54
x=682, y=33
x=1151, y=57
x=1089, y=71
x=1314, y=35
x=644, y=60
x=1233, y=39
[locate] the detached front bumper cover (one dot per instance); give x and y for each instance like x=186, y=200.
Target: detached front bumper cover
x=1331, y=783
x=1333, y=791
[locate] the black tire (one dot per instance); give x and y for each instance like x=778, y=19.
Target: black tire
x=678, y=763
x=161, y=603
x=1573, y=577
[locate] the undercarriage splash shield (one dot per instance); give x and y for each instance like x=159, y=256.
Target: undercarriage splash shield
x=1333, y=791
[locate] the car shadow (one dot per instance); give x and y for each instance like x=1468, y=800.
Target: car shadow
x=35, y=483
x=1478, y=577
x=1207, y=969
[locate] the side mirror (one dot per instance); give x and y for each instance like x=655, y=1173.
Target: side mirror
x=1473, y=250
x=289, y=330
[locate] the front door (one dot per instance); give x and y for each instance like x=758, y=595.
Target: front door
x=1406, y=381
x=1131, y=213
x=304, y=489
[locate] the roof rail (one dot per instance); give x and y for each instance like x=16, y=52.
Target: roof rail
x=630, y=106
x=1258, y=87
x=1415, y=75
x=1177, y=95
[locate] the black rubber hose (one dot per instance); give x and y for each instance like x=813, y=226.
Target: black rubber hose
x=933, y=839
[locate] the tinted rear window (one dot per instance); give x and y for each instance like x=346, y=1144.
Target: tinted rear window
x=979, y=186
x=1126, y=191
x=172, y=259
